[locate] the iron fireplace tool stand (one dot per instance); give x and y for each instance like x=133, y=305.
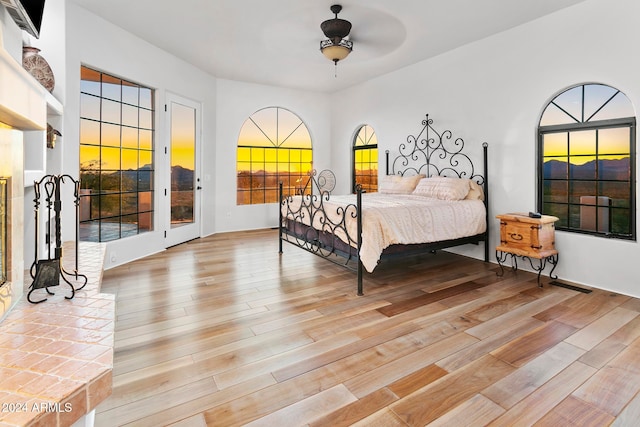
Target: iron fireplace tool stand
x=46, y=273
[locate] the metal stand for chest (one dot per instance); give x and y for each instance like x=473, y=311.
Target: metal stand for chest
x=501, y=257
x=46, y=273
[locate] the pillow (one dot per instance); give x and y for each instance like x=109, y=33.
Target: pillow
x=397, y=184
x=443, y=188
x=476, y=191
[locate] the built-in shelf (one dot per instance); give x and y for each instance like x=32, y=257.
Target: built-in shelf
x=54, y=107
x=35, y=143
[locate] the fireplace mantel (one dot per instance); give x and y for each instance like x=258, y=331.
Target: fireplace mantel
x=23, y=101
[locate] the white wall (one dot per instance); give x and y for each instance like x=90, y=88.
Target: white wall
x=236, y=102
x=10, y=35
x=226, y=105
x=51, y=43
x=53, y=48
x=96, y=43
x=494, y=90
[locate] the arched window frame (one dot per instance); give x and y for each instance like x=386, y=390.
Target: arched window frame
x=600, y=194
x=283, y=154
x=365, y=151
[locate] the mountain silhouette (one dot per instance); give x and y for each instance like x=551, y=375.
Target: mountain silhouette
x=618, y=169
x=181, y=178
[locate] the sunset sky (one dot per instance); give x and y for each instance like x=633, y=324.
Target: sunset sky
x=118, y=115
x=612, y=144
x=183, y=135
x=275, y=130
x=587, y=104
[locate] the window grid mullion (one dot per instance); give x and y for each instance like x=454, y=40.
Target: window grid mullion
x=119, y=194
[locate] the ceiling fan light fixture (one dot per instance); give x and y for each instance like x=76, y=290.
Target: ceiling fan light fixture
x=336, y=52
x=335, y=47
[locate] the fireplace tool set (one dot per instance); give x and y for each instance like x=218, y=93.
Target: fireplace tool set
x=46, y=272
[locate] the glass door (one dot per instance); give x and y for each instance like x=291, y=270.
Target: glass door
x=183, y=189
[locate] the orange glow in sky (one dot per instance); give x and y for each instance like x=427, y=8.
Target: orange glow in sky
x=280, y=143
x=116, y=126
x=612, y=144
x=183, y=134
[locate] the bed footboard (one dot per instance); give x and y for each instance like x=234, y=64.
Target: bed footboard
x=311, y=223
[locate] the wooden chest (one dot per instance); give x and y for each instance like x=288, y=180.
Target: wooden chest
x=525, y=236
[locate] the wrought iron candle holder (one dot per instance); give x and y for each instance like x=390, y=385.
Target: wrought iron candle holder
x=46, y=272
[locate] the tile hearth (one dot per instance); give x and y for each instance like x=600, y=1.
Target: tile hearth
x=56, y=357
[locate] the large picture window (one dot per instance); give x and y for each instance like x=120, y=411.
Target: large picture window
x=365, y=159
x=116, y=157
x=586, y=169
x=274, y=146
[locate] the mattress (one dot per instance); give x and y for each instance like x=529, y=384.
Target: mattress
x=389, y=219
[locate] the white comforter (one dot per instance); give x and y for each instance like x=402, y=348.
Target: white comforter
x=389, y=219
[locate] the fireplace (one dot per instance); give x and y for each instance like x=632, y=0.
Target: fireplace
x=23, y=108
x=11, y=218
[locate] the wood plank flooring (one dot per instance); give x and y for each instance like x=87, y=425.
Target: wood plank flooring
x=224, y=331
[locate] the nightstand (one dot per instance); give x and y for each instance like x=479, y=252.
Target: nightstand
x=527, y=238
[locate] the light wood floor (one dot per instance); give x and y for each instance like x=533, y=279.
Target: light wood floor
x=223, y=331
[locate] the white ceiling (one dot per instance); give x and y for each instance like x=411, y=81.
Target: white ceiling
x=276, y=42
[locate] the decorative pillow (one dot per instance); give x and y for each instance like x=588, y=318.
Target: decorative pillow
x=475, y=191
x=443, y=188
x=396, y=184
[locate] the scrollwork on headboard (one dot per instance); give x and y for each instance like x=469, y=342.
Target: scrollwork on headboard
x=434, y=154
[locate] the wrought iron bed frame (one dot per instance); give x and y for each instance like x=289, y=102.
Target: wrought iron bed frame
x=430, y=153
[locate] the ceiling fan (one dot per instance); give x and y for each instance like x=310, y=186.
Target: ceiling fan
x=336, y=46
x=382, y=34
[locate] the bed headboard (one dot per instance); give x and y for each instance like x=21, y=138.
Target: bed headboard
x=435, y=153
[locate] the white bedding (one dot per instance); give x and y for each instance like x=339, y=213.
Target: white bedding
x=389, y=219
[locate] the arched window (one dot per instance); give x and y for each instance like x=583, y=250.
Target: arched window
x=586, y=168
x=274, y=145
x=365, y=159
